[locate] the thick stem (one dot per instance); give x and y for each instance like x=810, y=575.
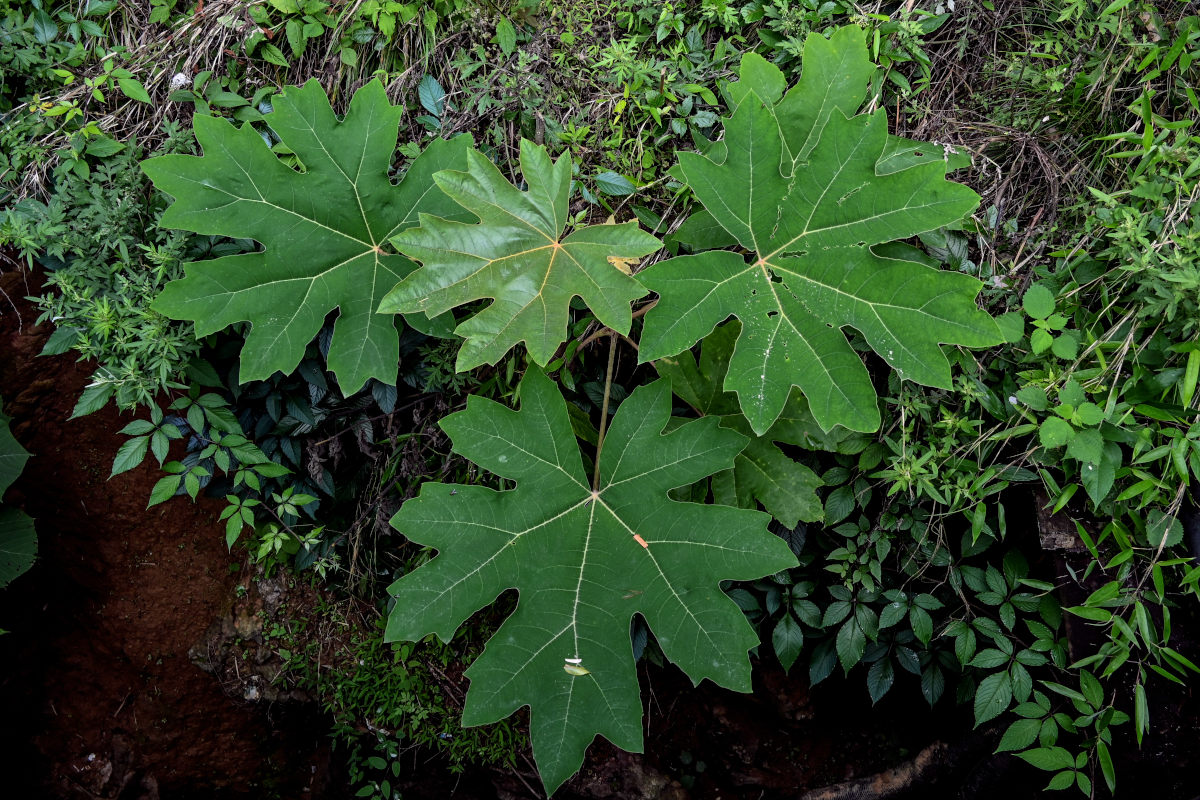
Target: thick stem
x=608, y=376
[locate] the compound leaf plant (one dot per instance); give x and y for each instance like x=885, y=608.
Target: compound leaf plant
x=807, y=201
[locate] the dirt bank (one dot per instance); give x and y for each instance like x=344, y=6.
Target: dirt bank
x=100, y=698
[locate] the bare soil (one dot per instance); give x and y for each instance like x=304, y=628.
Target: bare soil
x=100, y=697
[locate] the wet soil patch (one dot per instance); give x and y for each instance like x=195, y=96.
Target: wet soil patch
x=100, y=698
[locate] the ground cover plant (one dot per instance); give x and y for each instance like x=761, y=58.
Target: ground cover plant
x=763, y=355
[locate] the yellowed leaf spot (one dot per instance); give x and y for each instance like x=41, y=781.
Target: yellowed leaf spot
x=623, y=264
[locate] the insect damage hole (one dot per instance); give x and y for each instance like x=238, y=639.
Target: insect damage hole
x=851, y=193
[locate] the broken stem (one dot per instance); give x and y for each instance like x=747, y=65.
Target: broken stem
x=608, y=376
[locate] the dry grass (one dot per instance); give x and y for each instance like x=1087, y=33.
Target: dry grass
x=211, y=39
x=1024, y=173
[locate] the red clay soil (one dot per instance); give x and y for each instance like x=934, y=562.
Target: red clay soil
x=100, y=699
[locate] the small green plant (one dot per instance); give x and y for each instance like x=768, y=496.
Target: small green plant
x=107, y=261
x=386, y=699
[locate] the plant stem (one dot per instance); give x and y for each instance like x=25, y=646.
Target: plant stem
x=608, y=375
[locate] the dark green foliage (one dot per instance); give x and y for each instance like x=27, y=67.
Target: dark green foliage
x=918, y=571
x=106, y=261
x=18, y=541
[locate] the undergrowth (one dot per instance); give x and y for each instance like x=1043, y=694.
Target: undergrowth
x=1079, y=118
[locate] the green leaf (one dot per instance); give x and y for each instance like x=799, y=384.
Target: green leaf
x=759, y=76
x=809, y=209
x=993, y=697
x=787, y=639
x=44, y=28
x=233, y=529
x=516, y=256
x=139, y=427
x=1160, y=526
x=506, y=36
x=18, y=540
x=584, y=562
x=134, y=90
x=93, y=398
x=12, y=456
x=701, y=231
x=130, y=454
x=833, y=83
x=933, y=683
x=1141, y=712
x=851, y=643
x=295, y=37
x=839, y=504
x=270, y=470
x=880, y=677
x=432, y=95
x=1097, y=479
x=1106, y=766
x=1091, y=688
x=1038, y=301
x=62, y=340
x=272, y=54
x=1055, y=432
x=18, y=544
x=1086, y=445
x=1040, y=341
x=1048, y=758
x=1089, y=413
x=612, y=183
x=1034, y=397
x=964, y=646
x=1094, y=614
x=922, y=624
x=1063, y=780
x=164, y=490
x=762, y=472
x=989, y=659
x=892, y=613
x=1065, y=346
x=1019, y=735
x=97, y=147
x=324, y=231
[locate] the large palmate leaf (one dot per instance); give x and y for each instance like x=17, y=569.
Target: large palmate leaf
x=324, y=230
x=810, y=205
x=584, y=562
x=517, y=257
x=18, y=541
x=762, y=473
